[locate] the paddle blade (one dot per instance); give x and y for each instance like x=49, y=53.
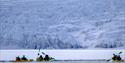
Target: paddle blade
x=120, y=52
x=43, y=53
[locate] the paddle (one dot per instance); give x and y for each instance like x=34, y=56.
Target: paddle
x=114, y=54
x=120, y=52
x=38, y=52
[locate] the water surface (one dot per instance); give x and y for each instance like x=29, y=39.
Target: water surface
x=67, y=62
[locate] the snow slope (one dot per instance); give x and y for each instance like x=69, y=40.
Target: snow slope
x=62, y=24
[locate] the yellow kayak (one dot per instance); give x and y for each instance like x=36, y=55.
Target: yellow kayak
x=24, y=61
x=117, y=61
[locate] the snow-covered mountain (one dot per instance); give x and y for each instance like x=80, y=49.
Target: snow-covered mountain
x=62, y=24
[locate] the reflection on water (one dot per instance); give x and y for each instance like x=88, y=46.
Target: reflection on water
x=67, y=62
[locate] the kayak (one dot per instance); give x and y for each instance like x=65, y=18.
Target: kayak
x=45, y=61
x=117, y=61
x=23, y=61
x=33, y=61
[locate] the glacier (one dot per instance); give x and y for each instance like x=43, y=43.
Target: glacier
x=62, y=24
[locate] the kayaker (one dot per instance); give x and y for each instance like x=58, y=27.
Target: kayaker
x=24, y=58
x=114, y=57
x=18, y=58
x=46, y=58
x=119, y=58
x=40, y=58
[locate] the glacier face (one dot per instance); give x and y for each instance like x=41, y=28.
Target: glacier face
x=62, y=24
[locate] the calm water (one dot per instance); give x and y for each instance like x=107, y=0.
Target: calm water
x=67, y=62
